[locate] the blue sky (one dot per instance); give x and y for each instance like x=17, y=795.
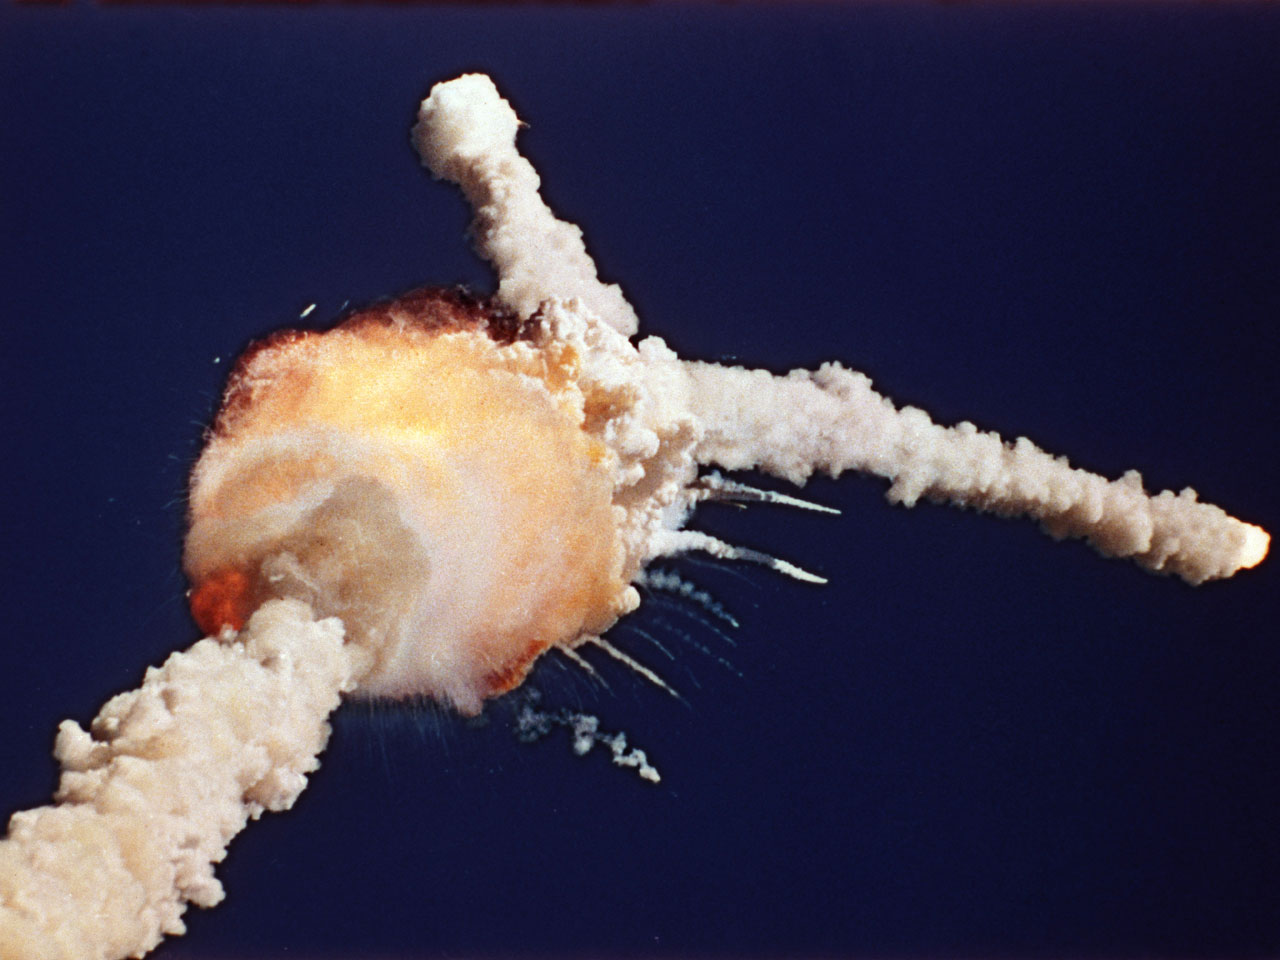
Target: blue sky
x=1059, y=222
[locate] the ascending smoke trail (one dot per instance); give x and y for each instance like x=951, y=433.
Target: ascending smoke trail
x=167, y=775
x=831, y=420
x=466, y=133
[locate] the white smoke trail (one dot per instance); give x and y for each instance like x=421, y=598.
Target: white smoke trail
x=163, y=780
x=466, y=133
x=832, y=420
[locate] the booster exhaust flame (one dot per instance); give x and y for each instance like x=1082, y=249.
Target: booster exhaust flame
x=425, y=499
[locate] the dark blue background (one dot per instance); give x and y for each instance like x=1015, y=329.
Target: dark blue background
x=1063, y=222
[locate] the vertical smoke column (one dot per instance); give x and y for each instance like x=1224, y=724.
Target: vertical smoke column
x=166, y=776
